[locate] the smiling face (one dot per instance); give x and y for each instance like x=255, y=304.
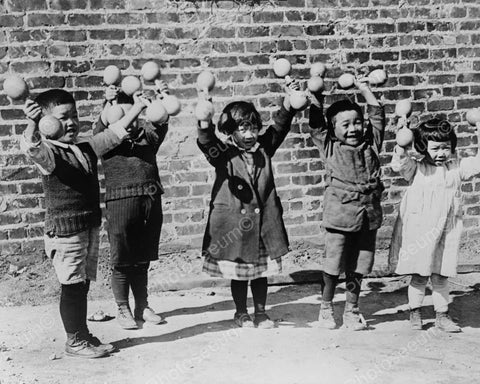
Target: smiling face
x=246, y=135
x=439, y=152
x=348, y=127
x=68, y=117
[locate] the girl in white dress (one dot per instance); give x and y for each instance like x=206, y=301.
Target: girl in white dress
x=427, y=232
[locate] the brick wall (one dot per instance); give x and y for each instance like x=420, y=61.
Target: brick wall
x=429, y=50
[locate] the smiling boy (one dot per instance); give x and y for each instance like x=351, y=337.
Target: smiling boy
x=351, y=207
x=72, y=220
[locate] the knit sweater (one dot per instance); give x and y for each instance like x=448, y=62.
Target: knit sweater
x=131, y=168
x=71, y=192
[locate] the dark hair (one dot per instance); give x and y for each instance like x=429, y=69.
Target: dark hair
x=236, y=114
x=341, y=106
x=434, y=130
x=123, y=98
x=53, y=97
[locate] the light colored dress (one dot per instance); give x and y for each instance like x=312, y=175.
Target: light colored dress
x=426, y=236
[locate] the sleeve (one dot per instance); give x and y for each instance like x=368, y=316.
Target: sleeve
x=469, y=166
x=318, y=129
x=403, y=164
x=276, y=133
x=99, y=127
x=376, y=117
x=40, y=153
x=156, y=133
x=106, y=140
x=212, y=147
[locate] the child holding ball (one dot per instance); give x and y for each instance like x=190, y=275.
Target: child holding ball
x=427, y=232
x=133, y=209
x=349, y=147
x=245, y=236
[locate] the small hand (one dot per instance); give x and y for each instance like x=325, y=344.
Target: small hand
x=32, y=110
x=161, y=86
x=362, y=84
x=111, y=93
x=140, y=101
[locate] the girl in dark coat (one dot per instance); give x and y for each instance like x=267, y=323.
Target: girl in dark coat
x=245, y=236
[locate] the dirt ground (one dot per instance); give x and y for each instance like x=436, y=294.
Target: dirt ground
x=199, y=344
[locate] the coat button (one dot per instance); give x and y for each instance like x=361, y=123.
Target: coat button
x=243, y=211
x=240, y=187
x=256, y=210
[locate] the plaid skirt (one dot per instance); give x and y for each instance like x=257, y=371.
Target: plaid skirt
x=235, y=270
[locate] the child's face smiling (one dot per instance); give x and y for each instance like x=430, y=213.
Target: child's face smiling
x=439, y=152
x=348, y=128
x=246, y=135
x=68, y=117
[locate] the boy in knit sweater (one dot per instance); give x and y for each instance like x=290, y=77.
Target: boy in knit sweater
x=72, y=220
x=133, y=209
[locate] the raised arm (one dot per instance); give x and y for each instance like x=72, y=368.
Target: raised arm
x=375, y=112
x=108, y=139
x=470, y=166
x=403, y=163
x=276, y=133
x=317, y=123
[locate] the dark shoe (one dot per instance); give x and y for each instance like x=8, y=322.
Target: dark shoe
x=148, y=314
x=353, y=319
x=261, y=320
x=98, y=344
x=125, y=317
x=416, y=319
x=444, y=322
x=77, y=346
x=243, y=320
x=325, y=316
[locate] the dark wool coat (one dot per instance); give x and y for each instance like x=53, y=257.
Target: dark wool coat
x=245, y=209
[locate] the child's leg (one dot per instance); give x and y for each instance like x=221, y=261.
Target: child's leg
x=440, y=296
x=259, y=289
x=353, y=283
x=72, y=300
x=329, y=285
x=120, y=288
x=138, y=279
x=440, y=293
x=416, y=291
x=120, y=285
x=239, y=290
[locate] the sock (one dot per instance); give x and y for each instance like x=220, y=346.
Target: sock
x=416, y=291
x=138, y=279
x=440, y=292
x=239, y=293
x=259, y=289
x=120, y=286
x=329, y=285
x=353, y=283
x=71, y=307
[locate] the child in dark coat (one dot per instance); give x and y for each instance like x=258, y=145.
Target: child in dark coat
x=349, y=148
x=245, y=236
x=133, y=210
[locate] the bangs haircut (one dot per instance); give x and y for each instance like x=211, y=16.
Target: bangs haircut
x=54, y=97
x=434, y=130
x=239, y=113
x=123, y=98
x=341, y=106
